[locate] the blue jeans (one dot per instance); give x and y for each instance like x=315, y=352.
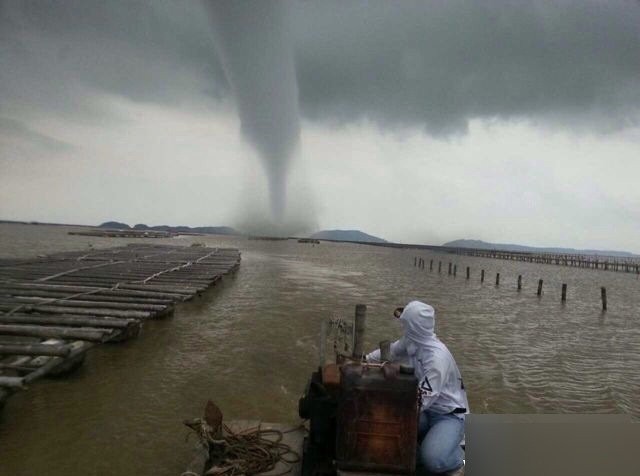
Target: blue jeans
x=439, y=438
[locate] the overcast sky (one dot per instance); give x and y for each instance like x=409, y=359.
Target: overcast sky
x=508, y=121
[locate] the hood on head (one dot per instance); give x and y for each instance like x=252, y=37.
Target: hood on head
x=418, y=320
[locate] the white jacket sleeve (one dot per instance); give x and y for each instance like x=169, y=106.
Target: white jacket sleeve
x=432, y=381
x=398, y=352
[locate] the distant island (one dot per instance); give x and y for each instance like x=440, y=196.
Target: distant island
x=347, y=235
x=207, y=230
x=483, y=245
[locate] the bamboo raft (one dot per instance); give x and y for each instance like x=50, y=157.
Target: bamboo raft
x=53, y=309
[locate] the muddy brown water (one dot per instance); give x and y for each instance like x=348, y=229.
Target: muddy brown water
x=251, y=343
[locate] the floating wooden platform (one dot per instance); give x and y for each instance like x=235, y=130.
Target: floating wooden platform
x=53, y=309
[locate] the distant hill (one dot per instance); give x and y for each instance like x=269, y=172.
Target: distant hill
x=114, y=225
x=207, y=230
x=483, y=245
x=347, y=235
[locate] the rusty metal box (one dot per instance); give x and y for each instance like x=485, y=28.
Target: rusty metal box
x=377, y=420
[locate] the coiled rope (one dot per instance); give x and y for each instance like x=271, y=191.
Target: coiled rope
x=248, y=452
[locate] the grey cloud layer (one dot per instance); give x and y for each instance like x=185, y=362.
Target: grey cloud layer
x=431, y=64
x=441, y=63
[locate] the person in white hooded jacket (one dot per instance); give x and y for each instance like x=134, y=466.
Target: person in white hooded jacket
x=443, y=397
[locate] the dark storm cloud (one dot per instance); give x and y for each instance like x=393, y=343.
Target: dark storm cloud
x=56, y=55
x=442, y=63
x=432, y=64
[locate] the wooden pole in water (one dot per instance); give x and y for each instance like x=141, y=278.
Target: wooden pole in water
x=603, y=294
x=519, y=282
x=439, y=266
x=359, y=326
x=455, y=270
x=497, y=279
x=415, y=261
x=431, y=265
x=482, y=276
x=468, y=272
x=385, y=351
x=564, y=292
x=449, y=267
x=540, y=287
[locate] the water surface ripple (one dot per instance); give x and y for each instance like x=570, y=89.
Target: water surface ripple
x=251, y=343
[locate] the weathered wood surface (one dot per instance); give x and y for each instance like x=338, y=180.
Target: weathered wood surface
x=54, y=308
x=93, y=334
x=35, y=349
x=68, y=320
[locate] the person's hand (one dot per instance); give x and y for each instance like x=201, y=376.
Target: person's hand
x=398, y=312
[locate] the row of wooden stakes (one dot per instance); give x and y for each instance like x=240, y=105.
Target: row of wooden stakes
x=453, y=270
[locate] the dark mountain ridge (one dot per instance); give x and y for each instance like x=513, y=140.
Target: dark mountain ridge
x=207, y=230
x=347, y=235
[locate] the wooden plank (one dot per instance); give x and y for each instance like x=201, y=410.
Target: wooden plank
x=89, y=334
x=14, y=383
x=58, y=365
x=98, y=289
x=64, y=320
x=50, y=309
x=35, y=349
x=183, y=291
x=83, y=297
x=37, y=301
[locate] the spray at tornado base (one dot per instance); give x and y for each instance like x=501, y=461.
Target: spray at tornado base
x=253, y=42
